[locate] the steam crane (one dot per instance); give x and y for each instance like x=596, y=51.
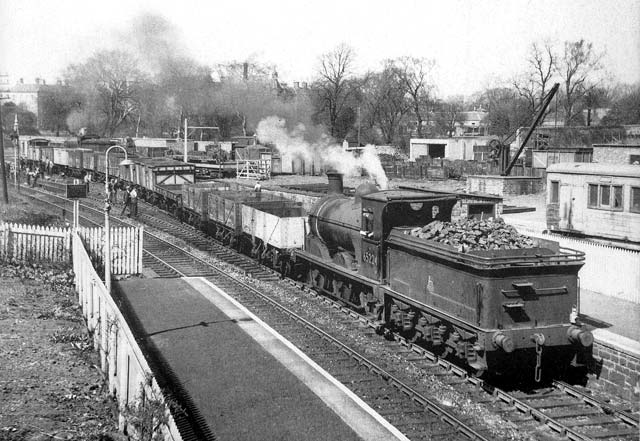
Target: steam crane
x=500, y=149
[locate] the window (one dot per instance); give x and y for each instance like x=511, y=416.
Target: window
x=635, y=199
x=617, y=197
x=555, y=192
x=367, y=221
x=605, y=196
x=593, y=196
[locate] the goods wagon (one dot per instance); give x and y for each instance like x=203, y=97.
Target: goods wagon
x=151, y=172
x=61, y=157
x=264, y=226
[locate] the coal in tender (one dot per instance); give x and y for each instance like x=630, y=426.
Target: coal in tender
x=473, y=234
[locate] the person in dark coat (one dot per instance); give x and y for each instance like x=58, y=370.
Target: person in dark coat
x=133, y=203
x=127, y=201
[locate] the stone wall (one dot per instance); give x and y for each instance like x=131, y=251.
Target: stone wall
x=614, y=154
x=505, y=185
x=514, y=186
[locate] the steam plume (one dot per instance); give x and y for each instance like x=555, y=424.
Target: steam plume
x=292, y=142
x=156, y=42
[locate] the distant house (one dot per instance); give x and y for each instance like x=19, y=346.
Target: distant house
x=472, y=123
x=31, y=97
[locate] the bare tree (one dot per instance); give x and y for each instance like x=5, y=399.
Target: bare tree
x=448, y=115
x=576, y=68
x=386, y=102
x=541, y=61
x=625, y=106
x=108, y=82
x=333, y=86
x=507, y=110
x=414, y=75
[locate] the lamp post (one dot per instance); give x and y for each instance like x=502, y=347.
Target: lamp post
x=3, y=176
x=107, y=208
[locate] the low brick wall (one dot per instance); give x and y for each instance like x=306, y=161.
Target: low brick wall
x=461, y=208
x=616, y=366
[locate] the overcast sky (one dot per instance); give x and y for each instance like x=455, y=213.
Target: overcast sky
x=474, y=43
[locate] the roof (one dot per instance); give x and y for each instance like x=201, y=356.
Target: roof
x=161, y=162
x=395, y=195
x=591, y=168
x=150, y=142
x=28, y=88
x=622, y=146
x=473, y=115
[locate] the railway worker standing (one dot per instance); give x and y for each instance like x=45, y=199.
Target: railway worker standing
x=113, y=196
x=133, y=209
x=36, y=175
x=257, y=187
x=126, y=203
x=87, y=180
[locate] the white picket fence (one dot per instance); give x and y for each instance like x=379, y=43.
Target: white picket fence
x=122, y=361
x=126, y=247
x=608, y=270
x=34, y=243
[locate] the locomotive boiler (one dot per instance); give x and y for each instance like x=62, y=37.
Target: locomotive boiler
x=497, y=311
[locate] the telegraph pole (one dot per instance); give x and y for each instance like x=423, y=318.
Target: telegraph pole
x=358, y=126
x=3, y=171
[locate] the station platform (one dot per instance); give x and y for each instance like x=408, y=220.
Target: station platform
x=612, y=320
x=236, y=376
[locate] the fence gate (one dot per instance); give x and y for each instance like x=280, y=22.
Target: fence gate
x=125, y=244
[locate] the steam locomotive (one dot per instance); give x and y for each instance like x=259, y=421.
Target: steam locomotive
x=496, y=311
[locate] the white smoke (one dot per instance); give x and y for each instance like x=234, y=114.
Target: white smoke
x=331, y=156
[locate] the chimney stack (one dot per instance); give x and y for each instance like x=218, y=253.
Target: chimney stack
x=245, y=71
x=37, y=80
x=335, y=182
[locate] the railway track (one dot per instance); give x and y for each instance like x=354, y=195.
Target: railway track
x=557, y=412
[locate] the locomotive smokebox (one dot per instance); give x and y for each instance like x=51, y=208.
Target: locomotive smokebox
x=335, y=182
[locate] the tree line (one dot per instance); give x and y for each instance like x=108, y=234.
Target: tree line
x=110, y=94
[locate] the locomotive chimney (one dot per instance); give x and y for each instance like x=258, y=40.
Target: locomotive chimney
x=335, y=182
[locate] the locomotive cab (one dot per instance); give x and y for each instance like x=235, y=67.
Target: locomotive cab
x=384, y=210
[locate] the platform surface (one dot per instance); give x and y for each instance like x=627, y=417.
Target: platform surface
x=247, y=382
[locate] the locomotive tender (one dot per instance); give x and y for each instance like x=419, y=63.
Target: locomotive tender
x=493, y=310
